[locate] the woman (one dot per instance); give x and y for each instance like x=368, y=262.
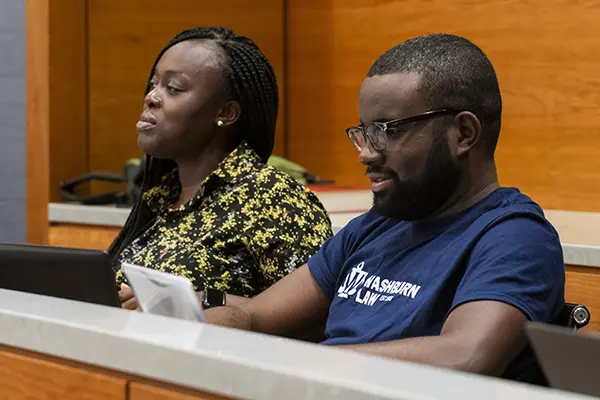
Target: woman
x=211, y=210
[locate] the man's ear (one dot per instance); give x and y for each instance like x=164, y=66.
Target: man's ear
x=229, y=114
x=468, y=132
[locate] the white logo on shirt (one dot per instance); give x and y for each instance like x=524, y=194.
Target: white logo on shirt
x=354, y=278
x=367, y=289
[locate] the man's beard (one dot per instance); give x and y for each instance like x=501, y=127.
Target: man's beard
x=417, y=199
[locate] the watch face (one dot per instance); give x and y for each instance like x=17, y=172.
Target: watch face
x=213, y=298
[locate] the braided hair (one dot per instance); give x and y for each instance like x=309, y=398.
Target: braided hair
x=248, y=79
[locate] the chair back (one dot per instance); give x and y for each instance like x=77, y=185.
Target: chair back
x=574, y=316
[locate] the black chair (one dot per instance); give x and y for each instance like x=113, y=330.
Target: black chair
x=574, y=316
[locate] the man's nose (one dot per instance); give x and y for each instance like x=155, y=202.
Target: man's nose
x=369, y=156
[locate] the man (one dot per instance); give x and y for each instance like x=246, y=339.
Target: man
x=446, y=267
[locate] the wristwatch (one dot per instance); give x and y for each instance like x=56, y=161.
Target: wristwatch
x=213, y=298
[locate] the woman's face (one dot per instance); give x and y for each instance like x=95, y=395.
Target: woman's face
x=184, y=102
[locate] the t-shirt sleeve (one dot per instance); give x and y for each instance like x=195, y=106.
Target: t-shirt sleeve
x=326, y=265
x=519, y=262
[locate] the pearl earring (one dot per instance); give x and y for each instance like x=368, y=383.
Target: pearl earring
x=220, y=123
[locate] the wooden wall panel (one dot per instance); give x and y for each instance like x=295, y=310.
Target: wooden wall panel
x=582, y=287
x=37, y=118
x=82, y=236
x=26, y=377
x=125, y=38
x=546, y=55
x=56, y=110
x=68, y=92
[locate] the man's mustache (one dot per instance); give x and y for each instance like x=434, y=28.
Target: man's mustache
x=380, y=171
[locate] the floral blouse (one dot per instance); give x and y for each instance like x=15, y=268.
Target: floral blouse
x=248, y=226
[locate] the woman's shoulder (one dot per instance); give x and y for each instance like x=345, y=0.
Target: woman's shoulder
x=267, y=177
x=268, y=181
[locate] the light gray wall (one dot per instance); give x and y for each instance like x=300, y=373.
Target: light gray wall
x=12, y=121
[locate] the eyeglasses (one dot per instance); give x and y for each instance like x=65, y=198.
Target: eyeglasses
x=376, y=132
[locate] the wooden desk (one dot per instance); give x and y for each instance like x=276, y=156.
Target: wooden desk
x=60, y=349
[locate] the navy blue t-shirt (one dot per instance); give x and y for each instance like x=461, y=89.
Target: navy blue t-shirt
x=390, y=279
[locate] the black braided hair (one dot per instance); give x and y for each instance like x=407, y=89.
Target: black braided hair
x=250, y=80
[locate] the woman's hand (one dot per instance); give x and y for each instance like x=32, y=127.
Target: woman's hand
x=128, y=301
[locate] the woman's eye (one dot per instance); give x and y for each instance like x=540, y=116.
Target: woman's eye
x=173, y=89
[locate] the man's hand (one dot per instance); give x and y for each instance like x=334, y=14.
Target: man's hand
x=290, y=307
x=127, y=298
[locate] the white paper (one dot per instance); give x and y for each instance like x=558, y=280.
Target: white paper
x=163, y=293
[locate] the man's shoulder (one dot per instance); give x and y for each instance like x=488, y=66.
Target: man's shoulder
x=510, y=204
x=518, y=220
x=370, y=226
x=370, y=220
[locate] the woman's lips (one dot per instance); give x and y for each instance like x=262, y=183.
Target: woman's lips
x=144, y=125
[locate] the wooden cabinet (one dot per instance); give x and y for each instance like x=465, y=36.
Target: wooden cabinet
x=82, y=236
x=32, y=376
x=23, y=376
x=582, y=287
x=144, y=391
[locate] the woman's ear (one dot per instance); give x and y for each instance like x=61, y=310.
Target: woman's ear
x=229, y=114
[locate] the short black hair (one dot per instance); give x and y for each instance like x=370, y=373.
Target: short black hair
x=454, y=74
x=250, y=80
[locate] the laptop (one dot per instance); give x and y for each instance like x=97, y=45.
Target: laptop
x=570, y=360
x=74, y=274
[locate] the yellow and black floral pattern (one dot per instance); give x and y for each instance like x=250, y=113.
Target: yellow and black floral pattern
x=248, y=226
